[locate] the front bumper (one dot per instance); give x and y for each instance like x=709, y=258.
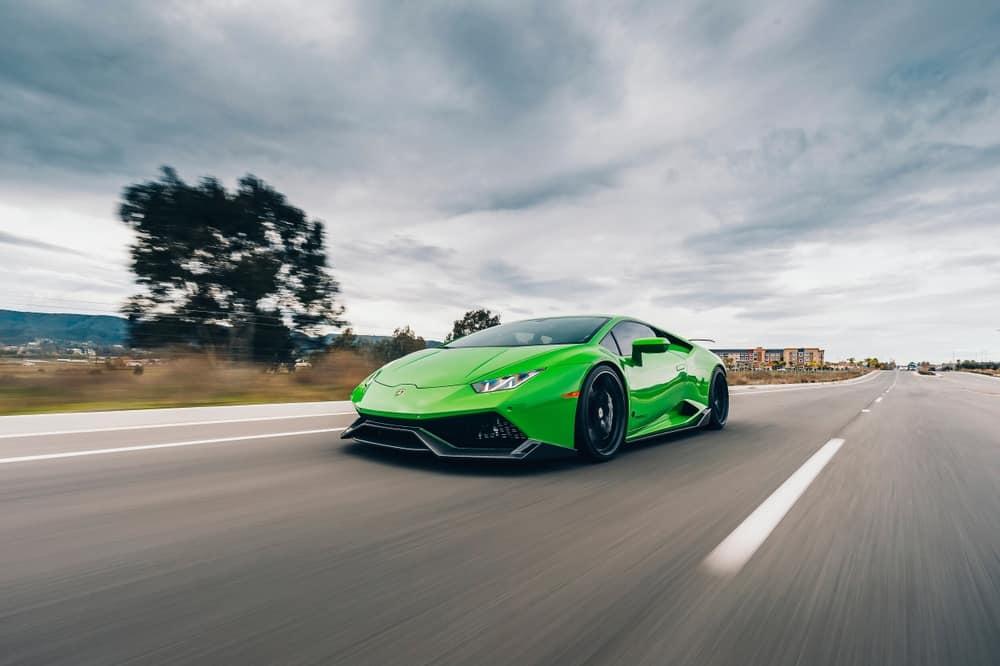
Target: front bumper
x=420, y=436
x=539, y=408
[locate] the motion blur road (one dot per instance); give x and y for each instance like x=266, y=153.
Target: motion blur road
x=258, y=536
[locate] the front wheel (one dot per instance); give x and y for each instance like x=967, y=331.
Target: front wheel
x=601, y=415
x=718, y=401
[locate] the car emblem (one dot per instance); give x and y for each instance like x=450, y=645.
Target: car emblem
x=400, y=392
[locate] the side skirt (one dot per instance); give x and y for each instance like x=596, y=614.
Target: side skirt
x=696, y=421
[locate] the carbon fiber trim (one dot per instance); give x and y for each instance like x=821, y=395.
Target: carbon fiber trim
x=370, y=430
x=699, y=422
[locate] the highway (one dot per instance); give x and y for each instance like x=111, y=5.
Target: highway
x=843, y=524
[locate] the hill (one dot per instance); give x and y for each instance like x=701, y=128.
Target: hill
x=18, y=328
x=373, y=339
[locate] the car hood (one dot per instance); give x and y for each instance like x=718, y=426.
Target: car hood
x=431, y=368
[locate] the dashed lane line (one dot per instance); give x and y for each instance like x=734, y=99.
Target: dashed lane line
x=736, y=549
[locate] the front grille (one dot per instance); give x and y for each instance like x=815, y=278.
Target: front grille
x=487, y=430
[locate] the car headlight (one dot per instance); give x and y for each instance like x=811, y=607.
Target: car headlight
x=503, y=383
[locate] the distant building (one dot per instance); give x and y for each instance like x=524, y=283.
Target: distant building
x=760, y=357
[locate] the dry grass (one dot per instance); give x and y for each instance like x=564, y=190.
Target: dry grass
x=180, y=382
x=984, y=371
x=743, y=377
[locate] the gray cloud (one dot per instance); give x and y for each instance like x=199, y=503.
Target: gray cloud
x=516, y=61
x=400, y=248
x=21, y=241
x=782, y=169
x=503, y=277
x=559, y=187
x=988, y=259
x=870, y=194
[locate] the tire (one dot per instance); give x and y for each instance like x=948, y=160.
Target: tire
x=718, y=401
x=601, y=415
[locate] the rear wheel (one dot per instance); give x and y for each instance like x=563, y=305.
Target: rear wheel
x=718, y=401
x=601, y=415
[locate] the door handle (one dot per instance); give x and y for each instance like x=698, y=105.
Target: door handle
x=681, y=367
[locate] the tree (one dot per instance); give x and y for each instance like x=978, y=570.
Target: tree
x=243, y=271
x=403, y=341
x=472, y=321
x=272, y=344
x=347, y=340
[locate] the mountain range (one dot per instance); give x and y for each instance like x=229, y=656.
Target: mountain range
x=18, y=328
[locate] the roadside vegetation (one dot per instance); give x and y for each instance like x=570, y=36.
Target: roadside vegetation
x=987, y=372
x=744, y=377
x=176, y=382
x=178, y=376
x=990, y=368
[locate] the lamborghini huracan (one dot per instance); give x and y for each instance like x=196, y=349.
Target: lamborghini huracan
x=590, y=384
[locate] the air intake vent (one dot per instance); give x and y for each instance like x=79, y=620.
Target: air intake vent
x=487, y=430
x=397, y=438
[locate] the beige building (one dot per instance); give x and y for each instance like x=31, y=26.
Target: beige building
x=760, y=357
x=803, y=357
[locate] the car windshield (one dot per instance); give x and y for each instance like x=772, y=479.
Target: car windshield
x=549, y=331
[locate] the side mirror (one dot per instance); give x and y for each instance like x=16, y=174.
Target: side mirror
x=642, y=346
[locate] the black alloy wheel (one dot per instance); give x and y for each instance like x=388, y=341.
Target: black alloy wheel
x=718, y=401
x=601, y=415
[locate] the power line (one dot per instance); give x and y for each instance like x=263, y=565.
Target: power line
x=262, y=320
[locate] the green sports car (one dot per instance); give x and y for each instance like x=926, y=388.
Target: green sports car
x=589, y=384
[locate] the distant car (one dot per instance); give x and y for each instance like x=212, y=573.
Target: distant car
x=587, y=383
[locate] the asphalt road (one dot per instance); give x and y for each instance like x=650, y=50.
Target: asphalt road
x=809, y=531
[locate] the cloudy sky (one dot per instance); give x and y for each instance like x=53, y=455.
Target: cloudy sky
x=776, y=173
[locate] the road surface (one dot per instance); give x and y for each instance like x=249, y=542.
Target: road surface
x=849, y=524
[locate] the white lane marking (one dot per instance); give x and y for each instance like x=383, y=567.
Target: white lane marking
x=737, y=548
x=170, y=445
x=269, y=406
x=865, y=411
x=878, y=399
x=177, y=424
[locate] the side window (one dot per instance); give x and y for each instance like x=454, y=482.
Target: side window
x=609, y=343
x=627, y=331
